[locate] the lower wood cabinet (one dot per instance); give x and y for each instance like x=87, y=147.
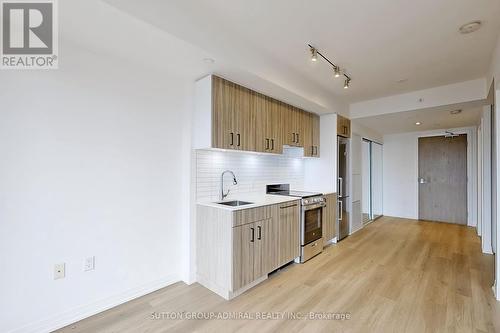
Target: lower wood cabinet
x=330, y=218
x=289, y=232
x=255, y=251
x=235, y=250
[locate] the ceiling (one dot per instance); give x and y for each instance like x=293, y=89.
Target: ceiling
x=378, y=42
x=430, y=119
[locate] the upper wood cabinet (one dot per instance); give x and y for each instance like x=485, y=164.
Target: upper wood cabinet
x=315, y=135
x=230, y=116
x=233, y=112
x=343, y=126
x=268, y=123
x=311, y=135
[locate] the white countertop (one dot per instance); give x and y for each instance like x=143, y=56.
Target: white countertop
x=256, y=200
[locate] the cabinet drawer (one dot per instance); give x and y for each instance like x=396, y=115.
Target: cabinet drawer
x=251, y=215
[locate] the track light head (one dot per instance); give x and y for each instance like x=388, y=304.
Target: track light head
x=314, y=54
x=346, y=83
x=336, y=71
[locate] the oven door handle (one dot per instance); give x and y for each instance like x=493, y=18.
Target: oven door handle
x=314, y=206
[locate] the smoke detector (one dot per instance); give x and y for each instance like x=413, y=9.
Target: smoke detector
x=470, y=27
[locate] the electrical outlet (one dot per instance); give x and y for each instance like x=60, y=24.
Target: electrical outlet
x=89, y=264
x=59, y=271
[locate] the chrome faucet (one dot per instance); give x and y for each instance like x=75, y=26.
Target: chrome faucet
x=235, y=182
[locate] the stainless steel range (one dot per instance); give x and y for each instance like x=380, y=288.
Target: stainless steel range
x=311, y=218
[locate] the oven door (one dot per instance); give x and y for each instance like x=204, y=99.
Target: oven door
x=312, y=219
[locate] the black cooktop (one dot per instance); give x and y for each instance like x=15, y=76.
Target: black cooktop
x=284, y=189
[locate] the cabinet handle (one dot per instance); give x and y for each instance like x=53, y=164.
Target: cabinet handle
x=267, y=144
x=238, y=136
x=253, y=235
x=297, y=137
x=272, y=144
x=285, y=207
x=232, y=139
x=312, y=150
x=293, y=140
x=259, y=228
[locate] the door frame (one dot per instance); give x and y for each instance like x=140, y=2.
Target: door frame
x=471, y=169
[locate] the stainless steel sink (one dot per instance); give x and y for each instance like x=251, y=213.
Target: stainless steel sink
x=235, y=203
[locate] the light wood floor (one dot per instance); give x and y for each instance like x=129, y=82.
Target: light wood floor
x=395, y=275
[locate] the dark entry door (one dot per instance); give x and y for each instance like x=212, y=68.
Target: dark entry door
x=443, y=179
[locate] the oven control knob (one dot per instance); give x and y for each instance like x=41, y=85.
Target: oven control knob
x=306, y=201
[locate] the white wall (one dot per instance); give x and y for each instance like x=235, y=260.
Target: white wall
x=400, y=168
x=321, y=173
x=90, y=167
x=400, y=165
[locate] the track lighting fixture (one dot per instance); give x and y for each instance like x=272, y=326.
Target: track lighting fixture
x=337, y=72
x=346, y=83
x=314, y=54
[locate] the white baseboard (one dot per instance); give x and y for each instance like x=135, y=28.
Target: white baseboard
x=82, y=312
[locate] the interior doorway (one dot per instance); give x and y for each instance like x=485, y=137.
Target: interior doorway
x=442, y=189
x=371, y=177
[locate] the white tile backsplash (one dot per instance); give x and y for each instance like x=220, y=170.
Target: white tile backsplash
x=253, y=172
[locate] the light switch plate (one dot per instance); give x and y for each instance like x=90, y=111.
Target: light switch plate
x=59, y=271
x=89, y=264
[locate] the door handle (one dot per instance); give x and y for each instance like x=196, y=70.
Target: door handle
x=267, y=144
x=259, y=228
x=253, y=235
x=341, y=186
x=232, y=139
x=238, y=136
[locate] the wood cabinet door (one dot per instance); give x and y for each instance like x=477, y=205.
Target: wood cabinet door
x=262, y=108
x=329, y=218
x=223, y=113
x=288, y=124
x=244, y=115
x=343, y=126
x=277, y=123
x=299, y=126
x=315, y=135
x=244, y=243
x=289, y=232
x=266, y=249
x=307, y=132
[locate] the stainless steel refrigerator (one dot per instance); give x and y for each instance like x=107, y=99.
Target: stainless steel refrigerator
x=343, y=187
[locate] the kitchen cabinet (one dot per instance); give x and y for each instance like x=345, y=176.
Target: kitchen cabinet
x=330, y=218
x=289, y=232
x=235, y=250
x=315, y=135
x=230, y=116
x=268, y=124
x=292, y=125
x=233, y=115
x=343, y=126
